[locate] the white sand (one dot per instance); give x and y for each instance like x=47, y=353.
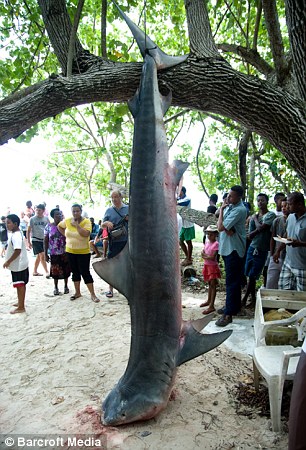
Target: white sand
x=61, y=358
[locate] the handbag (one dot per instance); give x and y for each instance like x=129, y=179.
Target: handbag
x=118, y=230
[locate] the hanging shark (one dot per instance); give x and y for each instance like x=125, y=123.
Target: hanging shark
x=147, y=271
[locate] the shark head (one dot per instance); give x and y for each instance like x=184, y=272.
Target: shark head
x=124, y=407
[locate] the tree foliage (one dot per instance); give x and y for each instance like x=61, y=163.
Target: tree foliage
x=244, y=72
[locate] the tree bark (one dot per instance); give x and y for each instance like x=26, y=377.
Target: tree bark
x=205, y=82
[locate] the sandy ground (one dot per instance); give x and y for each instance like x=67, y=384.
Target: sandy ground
x=61, y=358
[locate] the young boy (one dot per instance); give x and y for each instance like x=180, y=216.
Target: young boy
x=17, y=260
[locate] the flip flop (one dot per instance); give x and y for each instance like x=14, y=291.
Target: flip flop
x=74, y=297
x=36, y=274
x=109, y=294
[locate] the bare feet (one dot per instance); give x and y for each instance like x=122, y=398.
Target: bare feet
x=95, y=299
x=204, y=304
x=17, y=311
x=208, y=310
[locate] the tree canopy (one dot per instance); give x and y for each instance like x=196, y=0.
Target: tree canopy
x=246, y=66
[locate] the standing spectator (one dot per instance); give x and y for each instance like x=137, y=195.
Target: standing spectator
x=232, y=243
x=55, y=244
x=118, y=213
x=259, y=235
x=46, y=212
x=35, y=239
x=293, y=274
x=94, y=229
x=77, y=231
x=211, y=269
x=212, y=208
x=29, y=211
x=3, y=236
x=278, y=198
x=17, y=261
x=187, y=232
x=275, y=264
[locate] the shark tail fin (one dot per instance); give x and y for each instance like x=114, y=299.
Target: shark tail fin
x=146, y=45
x=196, y=343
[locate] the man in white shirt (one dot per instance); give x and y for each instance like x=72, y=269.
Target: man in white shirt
x=17, y=260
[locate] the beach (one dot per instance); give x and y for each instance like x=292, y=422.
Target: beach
x=62, y=357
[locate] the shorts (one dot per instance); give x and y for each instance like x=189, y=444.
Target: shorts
x=292, y=279
x=255, y=262
x=38, y=247
x=211, y=272
x=187, y=234
x=99, y=244
x=115, y=248
x=20, y=278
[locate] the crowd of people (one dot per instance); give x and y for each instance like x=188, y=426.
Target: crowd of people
x=61, y=246
x=266, y=243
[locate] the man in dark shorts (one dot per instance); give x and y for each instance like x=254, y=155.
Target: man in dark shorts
x=17, y=261
x=113, y=215
x=35, y=238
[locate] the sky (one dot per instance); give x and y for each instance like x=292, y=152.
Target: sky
x=21, y=161
x=18, y=163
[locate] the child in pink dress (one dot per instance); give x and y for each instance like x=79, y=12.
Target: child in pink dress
x=211, y=269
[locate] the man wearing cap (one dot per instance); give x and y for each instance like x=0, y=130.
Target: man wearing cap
x=232, y=244
x=35, y=237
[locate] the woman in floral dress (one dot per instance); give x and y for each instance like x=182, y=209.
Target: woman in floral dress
x=54, y=245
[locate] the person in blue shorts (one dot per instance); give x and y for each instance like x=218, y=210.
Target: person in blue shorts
x=259, y=235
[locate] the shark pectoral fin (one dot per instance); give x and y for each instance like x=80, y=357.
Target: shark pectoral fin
x=133, y=104
x=166, y=102
x=179, y=168
x=195, y=343
x=116, y=271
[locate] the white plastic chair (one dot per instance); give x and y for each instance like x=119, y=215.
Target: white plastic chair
x=277, y=363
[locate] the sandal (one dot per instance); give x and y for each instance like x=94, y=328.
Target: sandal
x=204, y=304
x=74, y=297
x=208, y=310
x=36, y=274
x=95, y=299
x=56, y=292
x=66, y=290
x=109, y=294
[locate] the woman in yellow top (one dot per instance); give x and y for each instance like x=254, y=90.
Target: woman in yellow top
x=77, y=230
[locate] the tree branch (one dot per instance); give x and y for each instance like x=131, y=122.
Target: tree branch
x=276, y=41
x=72, y=39
x=251, y=56
x=200, y=36
x=296, y=22
x=103, y=28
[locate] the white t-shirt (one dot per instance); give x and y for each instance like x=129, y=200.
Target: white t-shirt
x=304, y=346
x=17, y=241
